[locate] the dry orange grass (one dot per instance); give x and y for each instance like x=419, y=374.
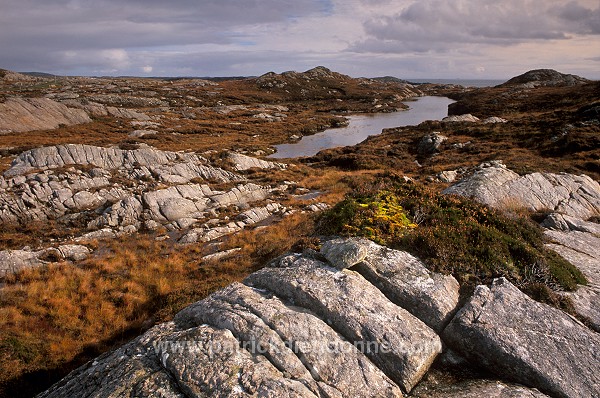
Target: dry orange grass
x=55, y=318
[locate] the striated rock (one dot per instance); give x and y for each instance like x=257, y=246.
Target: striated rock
x=545, y=77
x=127, y=113
x=243, y=162
x=294, y=340
x=496, y=186
x=477, y=389
x=447, y=176
x=565, y=223
x=519, y=339
x=27, y=114
x=13, y=261
x=461, y=118
x=493, y=120
x=403, y=278
x=578, y=242
x=430, y=143
x=142, y=133
x=397, y=342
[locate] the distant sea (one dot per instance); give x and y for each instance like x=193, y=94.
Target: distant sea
x=462, y=82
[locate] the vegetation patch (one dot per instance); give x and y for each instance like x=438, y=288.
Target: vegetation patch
x=453, y=235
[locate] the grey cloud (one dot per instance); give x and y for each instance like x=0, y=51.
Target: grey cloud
x=57, y=25
x=433, y=25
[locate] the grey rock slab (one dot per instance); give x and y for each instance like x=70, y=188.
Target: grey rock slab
x=209, y=362
x=27, y=114
x=244, y=162
x=467, y=117
x=313, y=351
x=430, y=143
x=345, y=253
x=13, y=261
x=397, y=342
x=134, y=370
x=404, y=279
x=581, y=250
x=563, y=222
x=477, y=389
x=517, y=338
x=496, y=186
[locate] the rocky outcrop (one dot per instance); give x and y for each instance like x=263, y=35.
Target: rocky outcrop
x=495, y=185
x=461, y=118
x=26, y=114
x=13, y=261
x=304, y=328
x=403, y=278
x=430, y=143
x=296, y=328
x=544, y=78
x=522, y=340
x=243, y=162
x=117, y=191
x=572, y=199
x=477, y=389
x=578, y=241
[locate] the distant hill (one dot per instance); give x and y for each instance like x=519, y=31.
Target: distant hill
x=392, y=79
x=545, y=78
x=39, y=74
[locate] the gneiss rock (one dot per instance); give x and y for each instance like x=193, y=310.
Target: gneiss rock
x=403, y=278
x=460, y=118
x=477, y=389
x=296, y=341
x=397, y=342
x=578, y=241
x=27, y=114
x=430, y=143
x=522, y=340
x=243, y=162
x=495, y=185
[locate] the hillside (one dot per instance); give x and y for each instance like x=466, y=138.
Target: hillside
x=141, y=221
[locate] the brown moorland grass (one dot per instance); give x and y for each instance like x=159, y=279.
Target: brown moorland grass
x=57, y=317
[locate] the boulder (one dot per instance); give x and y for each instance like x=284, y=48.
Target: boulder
x=519, y=339
x=13, y=261
x=403, y=278
x=296, y=341
x=430, y=143
x=477, y=389
x=578, y=242
x=396, y=341
x=460, y=118
x=27, y=114
x=243, y=162
x=493, y=184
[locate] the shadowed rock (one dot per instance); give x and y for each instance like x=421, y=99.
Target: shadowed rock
x=531, y=343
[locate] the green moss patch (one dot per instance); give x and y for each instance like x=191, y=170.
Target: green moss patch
x=452, y=235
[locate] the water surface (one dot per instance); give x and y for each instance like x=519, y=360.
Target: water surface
x=362, y=126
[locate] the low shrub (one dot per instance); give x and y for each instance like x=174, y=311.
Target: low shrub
x=454, y=235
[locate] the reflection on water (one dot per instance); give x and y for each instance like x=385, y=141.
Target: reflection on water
x=425, y=108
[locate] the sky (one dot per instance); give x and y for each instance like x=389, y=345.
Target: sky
x=446, y=39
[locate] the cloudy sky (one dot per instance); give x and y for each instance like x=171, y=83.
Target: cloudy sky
x=472, y=39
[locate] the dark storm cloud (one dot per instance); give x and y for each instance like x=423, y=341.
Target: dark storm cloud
x=435, y=25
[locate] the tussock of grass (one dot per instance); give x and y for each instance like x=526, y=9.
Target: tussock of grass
x=454, y=236
x=55, y=318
